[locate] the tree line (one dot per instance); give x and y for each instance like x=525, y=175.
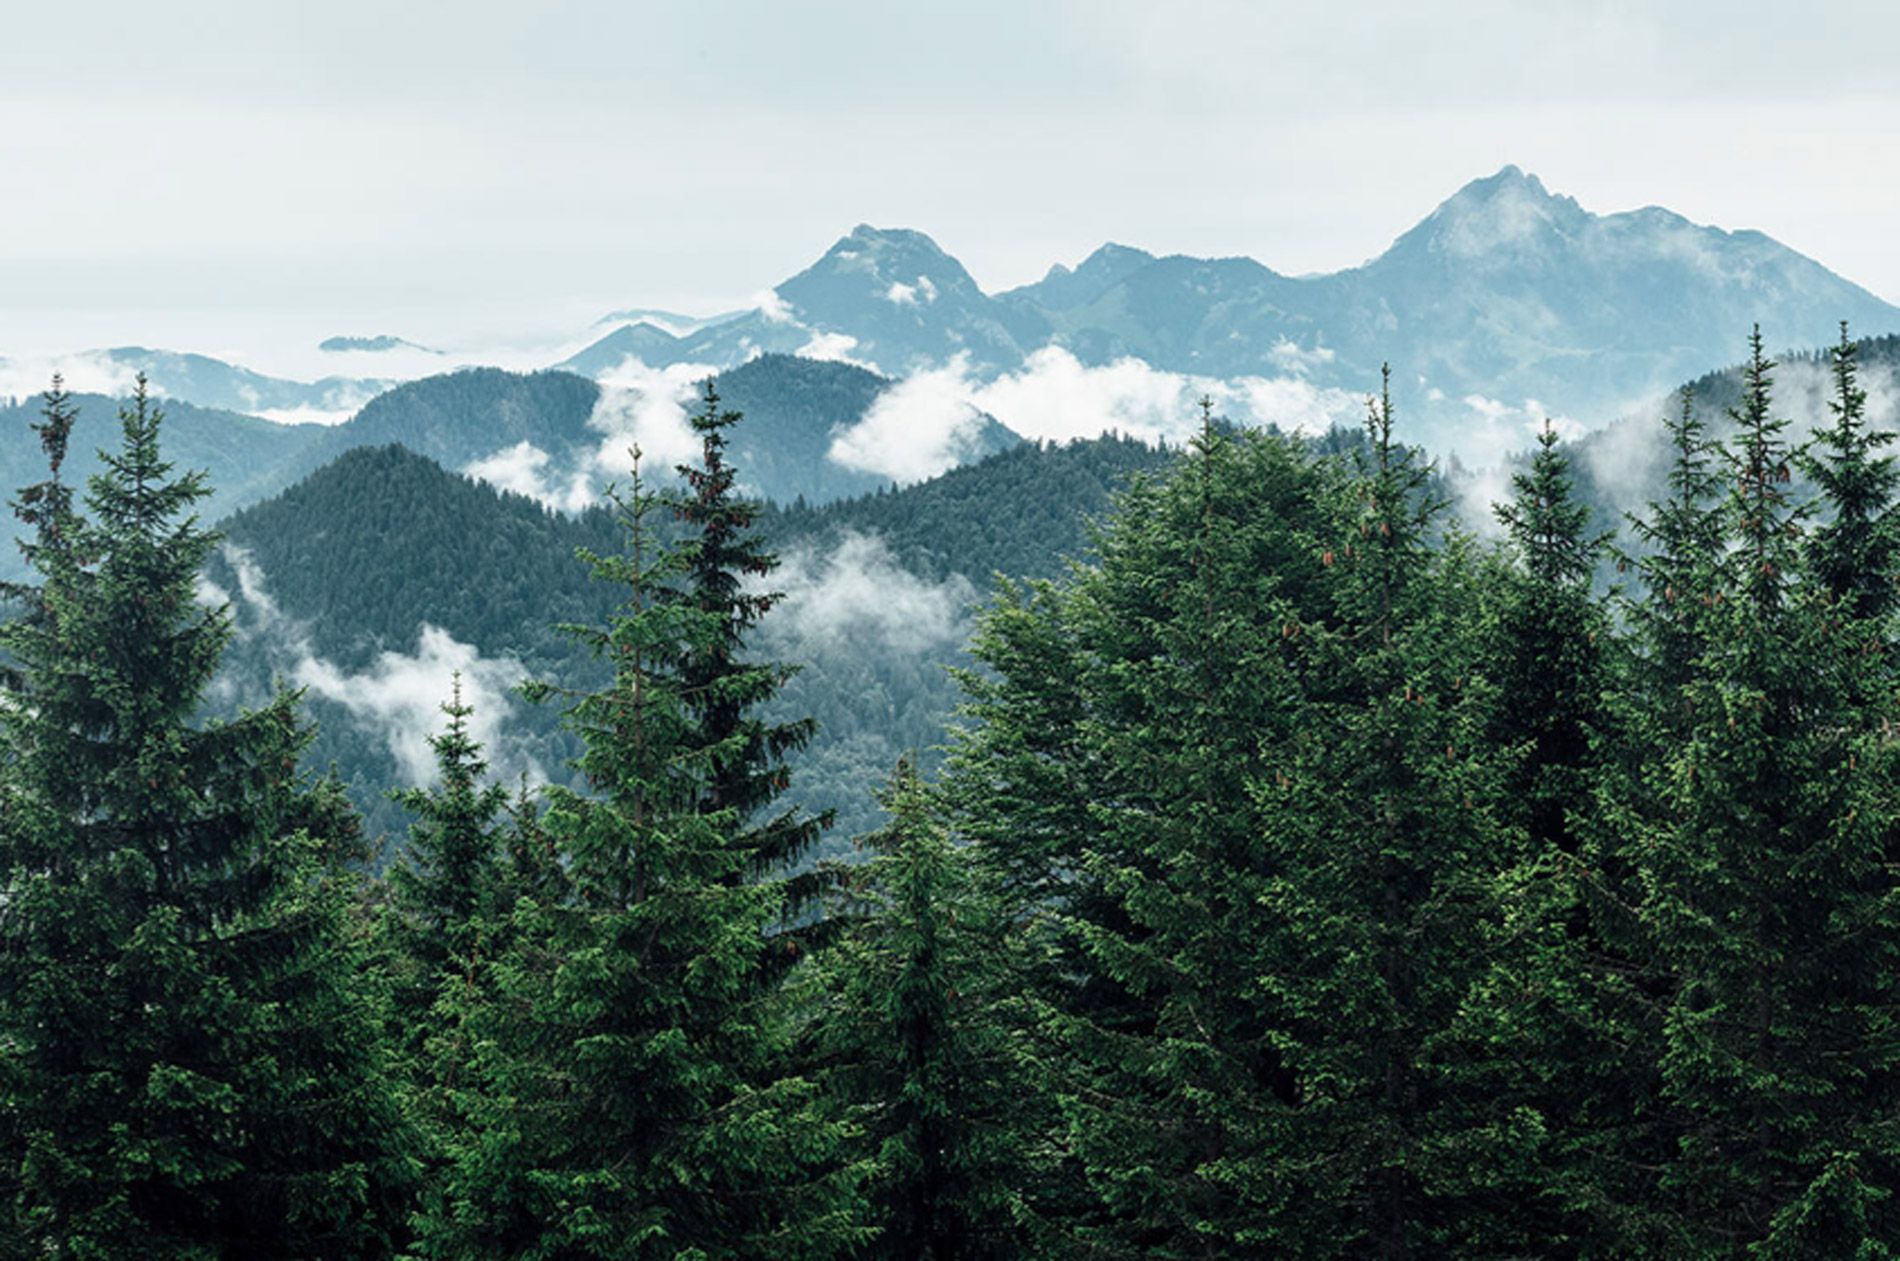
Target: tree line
x=1305, y=878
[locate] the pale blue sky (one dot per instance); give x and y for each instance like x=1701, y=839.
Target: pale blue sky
x=213, y=168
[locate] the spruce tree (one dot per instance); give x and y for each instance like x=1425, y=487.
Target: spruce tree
x=920, y=1034
x=1379, y=817
x=1851, y=554
x=1770, y=907
x=192, y=1066
x=628, y=1100
x=444, y=884
x=721, y=557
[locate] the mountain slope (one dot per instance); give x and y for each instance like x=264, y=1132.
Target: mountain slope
x=1506, y=302
x=336, y=578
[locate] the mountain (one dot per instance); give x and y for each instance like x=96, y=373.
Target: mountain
x=1505, y=303
x=1064, y=290
x=562, y=436
x=245, y=458
x=335, y=579
x=214, y=383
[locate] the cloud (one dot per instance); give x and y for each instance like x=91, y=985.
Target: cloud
x=399, y=697
x=774, y=308
x=901, y=294
x=517, y=469
x=856, y=594
x=638, y=406
x=915, y=429
x=87, y=372
x=836, y=347
x=646, y=407
x=1495, y=433
x=925, y=423
x=1290, y=356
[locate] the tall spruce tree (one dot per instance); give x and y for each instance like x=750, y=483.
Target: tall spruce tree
x=1851, y=554
x=192, y=1065
x=1187, y=628
x=1379, y=818
x=1769, y=905
x=920, y=1032
x=721, y=555
x=628, y=1099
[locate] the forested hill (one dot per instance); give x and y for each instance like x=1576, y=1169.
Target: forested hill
x=569, y=435
x=244, y=457
x=336, y=578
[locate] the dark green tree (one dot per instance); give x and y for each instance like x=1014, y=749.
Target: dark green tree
x=627, y=1097
x=1380, y=819
x=722, y=558
x=444, y=884
x=1770, y=907
x=1851, y=554
x=192, y=1067
x=920, y=1032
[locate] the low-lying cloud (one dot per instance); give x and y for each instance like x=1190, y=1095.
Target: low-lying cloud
x=857, y=595
x=922, y=425
x=399, y=697
x=638, y=406
x=916, y=429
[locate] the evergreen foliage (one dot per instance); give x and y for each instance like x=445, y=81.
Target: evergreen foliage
x=628, y=1098
x=189, y=1034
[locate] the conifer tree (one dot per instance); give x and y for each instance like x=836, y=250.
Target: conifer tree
x=444, y=884
x=1852, y=553
x=1549, y=662
x=919, y=1034
x=192, y=1061
x=629, y=1102
x=1385, y=849
x=1683, y=536
x=1769, y=906
x=721, y=554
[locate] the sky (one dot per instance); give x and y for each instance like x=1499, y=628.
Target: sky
x=233, y=176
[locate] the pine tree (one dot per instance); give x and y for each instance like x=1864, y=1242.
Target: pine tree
x=192, y=1063
x=920, y=1034
x=1769, y=905
x=628, y=1100
x=1385, y=850
x=1852, y=554
x=1683, y=537
x=444, y=884
x=1549, y=662
x=723, y=691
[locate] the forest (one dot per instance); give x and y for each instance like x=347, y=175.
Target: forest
x=1305, y=876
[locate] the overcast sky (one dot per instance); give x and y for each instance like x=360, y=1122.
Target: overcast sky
x=172, y=171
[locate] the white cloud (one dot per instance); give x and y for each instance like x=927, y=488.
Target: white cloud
x=901, y=294
x=638, y=407
x=399, y=697
x=517, y=468
x=858, y=595
x=836, y=347
x=916, y=429
x=774, y=308
x=1292, y=358
x=87, y=372
x=646, y=407
x=923, y=424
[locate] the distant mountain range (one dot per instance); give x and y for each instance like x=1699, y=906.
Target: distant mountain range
x=554, y=435
x=1507, y=297
x=1506, y=303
